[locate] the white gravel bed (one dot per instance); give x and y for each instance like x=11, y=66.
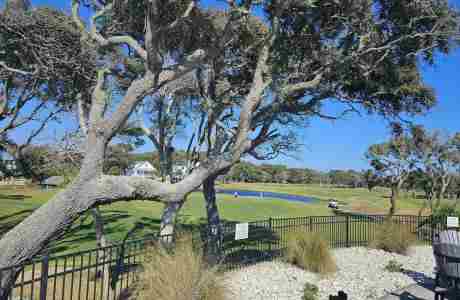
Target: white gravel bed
x=361, y=274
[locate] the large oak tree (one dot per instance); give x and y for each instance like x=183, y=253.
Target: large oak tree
x=363, y=54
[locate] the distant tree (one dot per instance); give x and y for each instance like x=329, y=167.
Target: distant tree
x=393, y=161
x=453, y=190
x=17, y=6
x=275, y=171
x=371, y=179
x=349, y=178
x=439, y=157
x=298, y=176
x=118, y=159
x=247, y=172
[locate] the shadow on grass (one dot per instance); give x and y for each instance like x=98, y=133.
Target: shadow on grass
x=82, y=234
x=14, y=197
x=7, y=222
x=83, y=231
x=116, y=228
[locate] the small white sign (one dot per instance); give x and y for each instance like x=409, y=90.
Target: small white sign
x=452, y=221
x=241, y=231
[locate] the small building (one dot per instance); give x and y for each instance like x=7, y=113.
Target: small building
x=52, y=182
x=141, y=169
x=181, y=169
x=9, y=163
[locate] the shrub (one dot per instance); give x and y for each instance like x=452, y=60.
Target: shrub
x=393, y=266
x=393, y=237
x=180, y=275
x=311, y=252
x=446, y=210
x=310, y=292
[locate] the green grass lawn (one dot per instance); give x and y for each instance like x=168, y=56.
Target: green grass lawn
x=119, y=218
x=358, y=199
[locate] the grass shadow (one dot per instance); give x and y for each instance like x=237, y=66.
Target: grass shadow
x=7, y=222
x=83, y=231
x=14, y=197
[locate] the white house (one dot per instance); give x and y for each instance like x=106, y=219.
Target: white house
x=142, y=169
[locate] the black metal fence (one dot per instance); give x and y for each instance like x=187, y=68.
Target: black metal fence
x=268, y=238
x=107, y=273
x=103, y=273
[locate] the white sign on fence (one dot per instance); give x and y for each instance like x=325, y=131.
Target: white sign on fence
x=241, y=231
x=452, y=221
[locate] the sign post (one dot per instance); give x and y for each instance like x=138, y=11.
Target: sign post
x=241, y=231
x=452, y=222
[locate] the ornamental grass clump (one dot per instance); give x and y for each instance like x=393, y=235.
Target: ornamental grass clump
x=310, y=292
x=178, y=275
x=310, y=252
x=393, y=237
x=394, y=267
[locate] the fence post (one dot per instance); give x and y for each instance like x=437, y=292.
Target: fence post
x=44, y=277
x=348, y=231
x=271, y=236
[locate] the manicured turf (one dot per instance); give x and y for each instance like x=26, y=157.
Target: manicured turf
x=17, y=203
x=358, y=199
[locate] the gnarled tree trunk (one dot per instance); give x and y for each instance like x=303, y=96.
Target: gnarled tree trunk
x=99, y=227
x=168, y=221
x=393, y=198
x=443, y=185
x=33, y=234
x=214, y=232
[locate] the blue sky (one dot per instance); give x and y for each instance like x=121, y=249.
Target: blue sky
x=341, y=144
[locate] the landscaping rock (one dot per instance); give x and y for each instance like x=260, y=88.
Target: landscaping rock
x=361, y=274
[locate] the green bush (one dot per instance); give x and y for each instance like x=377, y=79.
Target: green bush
x=394, y=267
x=310, y=252
x=446, y=210
x=393, y=237
x=310, y=292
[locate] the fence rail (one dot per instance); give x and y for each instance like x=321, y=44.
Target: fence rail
x=102, y=273
x=107, y=273
x=268, y=238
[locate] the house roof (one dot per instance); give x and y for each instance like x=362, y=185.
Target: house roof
x=53, y=180
x=143, y=166
x=5, y=156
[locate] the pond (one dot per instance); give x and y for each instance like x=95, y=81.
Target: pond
x=262, y=195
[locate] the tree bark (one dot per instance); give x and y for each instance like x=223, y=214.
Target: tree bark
x=168, y=221
x=101, y=242
x=30, y=236
x=393, y=198
x=89, y=190
x=99, y=227
x=444, y=183
x=214, y=232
